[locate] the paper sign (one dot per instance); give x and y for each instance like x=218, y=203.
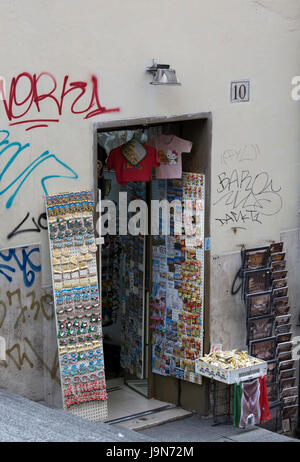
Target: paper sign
x=216, y=347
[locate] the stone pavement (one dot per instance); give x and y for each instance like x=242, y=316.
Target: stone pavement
x=197, y=429
x=28, y=421
x=24, y=420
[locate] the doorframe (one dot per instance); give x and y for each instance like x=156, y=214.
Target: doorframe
x=119, y=124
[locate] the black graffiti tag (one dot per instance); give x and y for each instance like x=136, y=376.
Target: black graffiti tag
x=40, y=224
x=247, y=197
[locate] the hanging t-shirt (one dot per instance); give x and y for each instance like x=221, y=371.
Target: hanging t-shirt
x=169, y=148
x=126, y=172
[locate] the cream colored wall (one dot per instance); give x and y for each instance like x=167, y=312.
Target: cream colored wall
x=210, y=43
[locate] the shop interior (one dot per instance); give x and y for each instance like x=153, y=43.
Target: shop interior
x=133, y=389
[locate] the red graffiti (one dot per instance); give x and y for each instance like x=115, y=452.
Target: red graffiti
x=81, y=98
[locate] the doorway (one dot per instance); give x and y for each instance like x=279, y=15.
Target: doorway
x=126, y=322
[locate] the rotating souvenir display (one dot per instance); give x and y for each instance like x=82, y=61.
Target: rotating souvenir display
x=77, y=303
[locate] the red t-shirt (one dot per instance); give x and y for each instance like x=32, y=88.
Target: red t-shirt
x=126, y=172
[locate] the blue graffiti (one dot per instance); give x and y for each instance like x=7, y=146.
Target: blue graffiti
x=24, y=264
x=16, y=184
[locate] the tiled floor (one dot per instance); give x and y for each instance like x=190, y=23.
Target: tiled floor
x=141, y=386
x=125, y=402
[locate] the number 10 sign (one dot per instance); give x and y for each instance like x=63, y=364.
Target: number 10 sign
x=240, y=91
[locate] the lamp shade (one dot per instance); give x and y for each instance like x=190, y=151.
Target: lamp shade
x=165, y=77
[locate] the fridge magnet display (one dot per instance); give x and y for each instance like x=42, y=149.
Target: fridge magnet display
x=276, y=247
x=77, y=303
x=258, y=304
x=260, y=327
x=253, y=259
x=263, y=349
x=178, y=325
x=256, y=281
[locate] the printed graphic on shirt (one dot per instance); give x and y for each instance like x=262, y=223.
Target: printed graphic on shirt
x=170, y=157
x=126, y=172
x=134, y=152
x=127, y=166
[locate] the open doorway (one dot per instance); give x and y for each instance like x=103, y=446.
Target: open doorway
x=126, y=272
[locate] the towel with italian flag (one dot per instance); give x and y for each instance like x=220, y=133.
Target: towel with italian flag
x=251, y=405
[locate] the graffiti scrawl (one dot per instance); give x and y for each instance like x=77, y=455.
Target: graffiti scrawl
x=13, y=149
x=20, y=259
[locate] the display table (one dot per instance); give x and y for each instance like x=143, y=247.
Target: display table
x=222, y=381
x=231, y=376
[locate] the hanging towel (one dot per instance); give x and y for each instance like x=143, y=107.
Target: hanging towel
x=237, y=404
x=263, y=400
x=250, y=404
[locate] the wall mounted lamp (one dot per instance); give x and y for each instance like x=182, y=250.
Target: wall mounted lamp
x=162, y=74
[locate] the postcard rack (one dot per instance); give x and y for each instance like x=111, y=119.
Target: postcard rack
x=268, y=318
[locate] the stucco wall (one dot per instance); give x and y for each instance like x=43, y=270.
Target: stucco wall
x=255, y=145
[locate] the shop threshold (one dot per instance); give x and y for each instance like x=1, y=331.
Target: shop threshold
x=151, y=418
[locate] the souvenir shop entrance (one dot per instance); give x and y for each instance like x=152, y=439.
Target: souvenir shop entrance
x=129, y=274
